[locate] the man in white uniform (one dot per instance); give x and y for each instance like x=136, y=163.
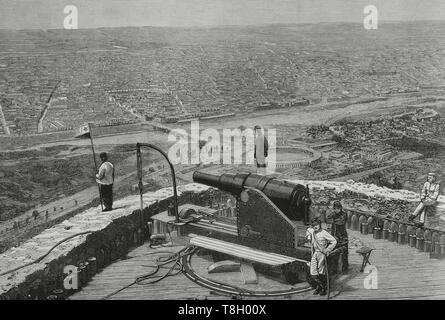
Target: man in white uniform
x=105, y=179
x=322, y=243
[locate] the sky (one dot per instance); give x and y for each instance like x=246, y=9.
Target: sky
x=49, y=14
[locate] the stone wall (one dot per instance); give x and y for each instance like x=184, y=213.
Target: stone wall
x=380, y=201
x=113, y=235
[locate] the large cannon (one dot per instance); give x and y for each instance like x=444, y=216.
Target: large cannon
x=272, y=216
x=292, y=199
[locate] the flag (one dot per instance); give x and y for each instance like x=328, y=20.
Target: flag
x=83, y=132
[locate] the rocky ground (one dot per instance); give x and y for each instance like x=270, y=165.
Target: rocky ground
x=382, y=201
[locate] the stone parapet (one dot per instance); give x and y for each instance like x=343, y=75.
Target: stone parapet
x=112, y=235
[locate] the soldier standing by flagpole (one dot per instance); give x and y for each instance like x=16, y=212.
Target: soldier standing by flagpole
x=85, y=131
x=90, y=133
x=105, y=179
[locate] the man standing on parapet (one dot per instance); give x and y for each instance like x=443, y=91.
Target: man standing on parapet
x=105, y=179
x=322, y=243
x=261, y=150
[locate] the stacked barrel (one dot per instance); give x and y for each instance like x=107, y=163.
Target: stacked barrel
x=404, y=233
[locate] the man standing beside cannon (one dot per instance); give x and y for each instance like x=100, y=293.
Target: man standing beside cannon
x=338, y=219
x=322, y=243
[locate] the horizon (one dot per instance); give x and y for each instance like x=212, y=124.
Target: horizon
x=278, y=24
x=49, y=15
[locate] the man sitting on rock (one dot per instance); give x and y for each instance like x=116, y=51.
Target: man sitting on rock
x=428, y=198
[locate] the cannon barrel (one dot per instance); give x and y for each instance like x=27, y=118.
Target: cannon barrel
x=288, y=197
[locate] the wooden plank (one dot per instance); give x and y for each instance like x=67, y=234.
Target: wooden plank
x=241, y=251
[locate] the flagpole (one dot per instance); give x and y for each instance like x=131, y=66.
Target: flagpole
x=95, y=164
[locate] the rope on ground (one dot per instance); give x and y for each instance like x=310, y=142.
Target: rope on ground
x=174, y=269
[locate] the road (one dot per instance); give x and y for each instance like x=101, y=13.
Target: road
x=358, y=175
x=63, y=206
